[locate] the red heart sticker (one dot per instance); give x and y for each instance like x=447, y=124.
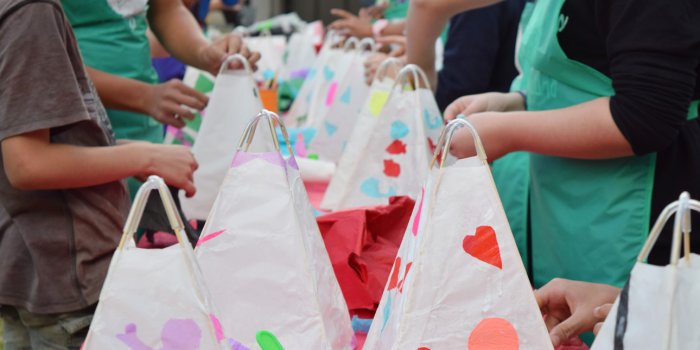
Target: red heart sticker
x=484, y=246
x=391, y=168
x=396, y=147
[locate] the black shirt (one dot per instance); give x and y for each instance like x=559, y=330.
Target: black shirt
x=651, y=51
x=479, y=52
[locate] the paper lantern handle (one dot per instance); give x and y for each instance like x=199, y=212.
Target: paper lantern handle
x=445, y=140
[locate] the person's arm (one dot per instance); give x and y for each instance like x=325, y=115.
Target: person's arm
x=32, y=162
x=425, y=21
x=180, y=34
x=584, y=131
x=166, y=102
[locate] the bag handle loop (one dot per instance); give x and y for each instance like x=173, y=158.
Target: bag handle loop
x=136, y=212
x=236, y=57
x=389, y=62
x=249, y=132
x=351, y=43
x=367, y=44
x=416, y=73
x=443, y=145
x=681, y=228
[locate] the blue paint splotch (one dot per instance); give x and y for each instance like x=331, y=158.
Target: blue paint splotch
x=328, y=73
x=399, y=130
x=431, y=122
x=370, y=187
x=330, y=128
x=345, y=97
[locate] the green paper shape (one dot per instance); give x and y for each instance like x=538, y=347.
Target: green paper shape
x=268, y=341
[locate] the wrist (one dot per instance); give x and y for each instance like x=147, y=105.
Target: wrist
x=145, y=97
x=378, y=27
x=143, y=160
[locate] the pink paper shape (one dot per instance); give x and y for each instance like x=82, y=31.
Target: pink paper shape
x=208, y=237
x=416, y=222
x=331, y=93
x=300, y=145
x=217, y=326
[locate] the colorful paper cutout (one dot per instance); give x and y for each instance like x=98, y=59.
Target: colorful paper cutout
x=267, y=341
x=332, y=89
x=311, y=74
x=493, y=333
x=377, y=101
x=431, y=122
x=391, y=168
x=387, y=310
x=483, y=245
x=370, y=187
x=394, y=281
x=328, y=73
x=396, y=147
x=217, y=327
x=208, y=237
x=300, y=145
x=399, y=129
x=177, y=334
x=345, y=97
x=416, y=221
x=330, y=128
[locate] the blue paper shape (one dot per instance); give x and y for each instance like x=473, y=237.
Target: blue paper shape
x=387, y=309
x=345, y=97
x=370, y=187
x=399, y=130
x=430, y=122
x=330, y=128
x=311, y=74
x=328, y=73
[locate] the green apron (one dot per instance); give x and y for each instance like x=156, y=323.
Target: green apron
x=511, y=173
x=112, y=38
x=589, y=218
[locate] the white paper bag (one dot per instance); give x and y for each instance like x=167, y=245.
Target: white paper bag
x=271, y=49
x=299, y=111
x=154, y=298
x=334, y=128
x=395, y=160
x=301, y=51
x=234, y=99
x=658, y=309
x=263, y=255
x=458, y=281
x=356, y=147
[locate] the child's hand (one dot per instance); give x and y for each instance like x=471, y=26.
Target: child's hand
x=486, y=102
x=213, y=55
x=174, y=163
x=173, y=102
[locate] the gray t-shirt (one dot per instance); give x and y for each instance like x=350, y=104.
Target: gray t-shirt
x=55, y=245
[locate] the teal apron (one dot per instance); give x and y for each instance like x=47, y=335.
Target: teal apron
x=112, y=38
x=589, y=218
x=511, y=173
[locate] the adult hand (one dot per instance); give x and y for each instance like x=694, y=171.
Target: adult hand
x=569, y=307
x=351, y=25
x=486, y=102
x=173, y=101
x=214, y=54
x=174, y=163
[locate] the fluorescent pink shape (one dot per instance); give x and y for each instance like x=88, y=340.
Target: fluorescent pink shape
x=209, y=237
x=331, y=93
x=416, y=222
x=300, y=145
x=217, y=328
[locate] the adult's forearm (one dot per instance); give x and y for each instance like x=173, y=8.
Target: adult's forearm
x=584, y=131
x=119, y=92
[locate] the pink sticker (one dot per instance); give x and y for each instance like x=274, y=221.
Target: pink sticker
x=300, y=146
x=416, y=222
x=208, y=237
x=217, y=328
x=331, y=93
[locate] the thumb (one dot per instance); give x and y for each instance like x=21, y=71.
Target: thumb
x=567, y=329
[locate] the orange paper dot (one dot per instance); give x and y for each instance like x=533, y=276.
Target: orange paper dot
x=492, y=334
